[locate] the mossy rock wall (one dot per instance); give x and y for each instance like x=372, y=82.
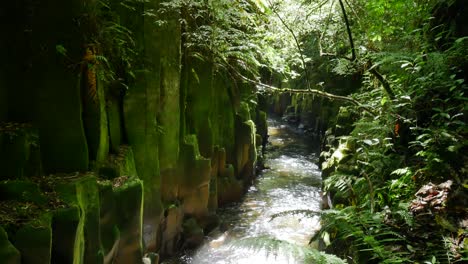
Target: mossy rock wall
x=141, y=106
x=101, y=158
x=223, y=116
x=199, y=107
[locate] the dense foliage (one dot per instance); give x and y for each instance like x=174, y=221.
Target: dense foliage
x=412, y=58
x=409, y=58
x=395, y=173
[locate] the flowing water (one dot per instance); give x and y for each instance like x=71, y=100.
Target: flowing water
x=291, y=182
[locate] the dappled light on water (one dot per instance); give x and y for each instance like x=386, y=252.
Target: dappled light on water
x=257, y=230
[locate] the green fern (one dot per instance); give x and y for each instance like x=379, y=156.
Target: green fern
x=274, y=246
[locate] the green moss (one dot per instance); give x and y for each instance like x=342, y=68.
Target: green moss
x=169, y=103
x=95, y=117
x=198, y=110
x=83, y=225
x=140, y=119
x=22, y=191
x=120, y=164
x=222, y=118
x=244, y=111
x=8, y=253
x=88, y=200
x=38, y=249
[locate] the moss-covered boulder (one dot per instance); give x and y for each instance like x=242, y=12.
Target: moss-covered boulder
x=20, y=154
x=8, y=253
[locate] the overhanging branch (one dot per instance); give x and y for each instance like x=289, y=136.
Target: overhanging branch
x=311, y=91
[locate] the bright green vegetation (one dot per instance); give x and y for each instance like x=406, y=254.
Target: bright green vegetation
x=125, y=124
x=405, y=66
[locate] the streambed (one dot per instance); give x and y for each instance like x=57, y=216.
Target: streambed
x=291, y=182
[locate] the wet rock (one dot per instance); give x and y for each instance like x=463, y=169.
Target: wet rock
x=229, y=188
x=151, y=258
x=193, y=234
x=171, y=228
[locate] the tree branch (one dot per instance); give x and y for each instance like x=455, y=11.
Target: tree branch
x=298, y=45
x=311, y=91
x=348, y=29
x=372, y=70
x=383, y=81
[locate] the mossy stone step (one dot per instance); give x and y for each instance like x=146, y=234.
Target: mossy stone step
x=22, y=191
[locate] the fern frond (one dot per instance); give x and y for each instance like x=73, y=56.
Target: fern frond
x=273, y=246
x=306, y=213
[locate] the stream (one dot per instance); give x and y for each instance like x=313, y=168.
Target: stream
x=291, y=182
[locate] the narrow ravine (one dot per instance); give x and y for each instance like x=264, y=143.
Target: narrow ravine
x=291, y=182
